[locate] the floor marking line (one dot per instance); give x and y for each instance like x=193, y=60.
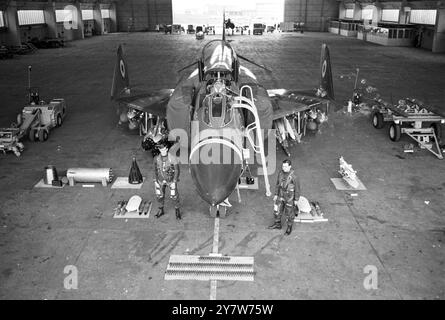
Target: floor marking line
x=351, y=210
x=213, y=283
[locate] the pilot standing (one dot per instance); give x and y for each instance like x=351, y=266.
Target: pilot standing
x=166, y=174
x=287, y=194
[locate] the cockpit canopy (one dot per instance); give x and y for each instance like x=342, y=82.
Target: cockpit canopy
x=217, y=55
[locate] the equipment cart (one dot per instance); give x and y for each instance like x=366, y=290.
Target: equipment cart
x=411, y=117
x=9, y=141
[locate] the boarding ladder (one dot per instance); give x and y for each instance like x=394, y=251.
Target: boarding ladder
x=246, y=103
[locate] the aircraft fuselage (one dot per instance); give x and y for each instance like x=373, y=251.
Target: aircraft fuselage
x=216, y=141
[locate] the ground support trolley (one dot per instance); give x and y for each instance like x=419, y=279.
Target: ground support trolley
x=412, y=118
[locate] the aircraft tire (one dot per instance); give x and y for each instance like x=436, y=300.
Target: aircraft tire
x=395, y=132
x=32, y=135
x=59, y=120
x=43, y=135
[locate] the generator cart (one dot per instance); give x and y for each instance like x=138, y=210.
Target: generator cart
x=36, y=120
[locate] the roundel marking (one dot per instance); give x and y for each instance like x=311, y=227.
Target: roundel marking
x=122, y=68
x=323, y=68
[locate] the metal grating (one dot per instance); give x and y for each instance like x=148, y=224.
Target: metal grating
x=207, y=268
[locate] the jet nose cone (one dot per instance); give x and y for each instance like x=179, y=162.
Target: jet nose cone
x=215, y=182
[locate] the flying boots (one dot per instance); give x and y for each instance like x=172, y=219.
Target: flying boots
x=288, y=230
x=160, y=212
x=276, y=225
x=178, y=214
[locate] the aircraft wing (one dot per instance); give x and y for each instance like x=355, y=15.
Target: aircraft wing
x=153, y=102
x=150, y=102
x=287, y=102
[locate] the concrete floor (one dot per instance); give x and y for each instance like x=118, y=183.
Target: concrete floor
x=389, y=226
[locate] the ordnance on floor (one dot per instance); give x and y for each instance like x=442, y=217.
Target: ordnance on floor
x=147, y=213
x=135, y=176
x=142, y=207
x=135, y=207
x=51, y=176
x=96, y=175
x=145, y=207
x=309, y=211
x=348, y=174
x=119, y=207
x=133, y=204
x=122, y=208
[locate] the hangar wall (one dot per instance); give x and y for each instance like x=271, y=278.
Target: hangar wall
x=14, y=33
x=143, y=15
x=399, y=30
x=314, y=13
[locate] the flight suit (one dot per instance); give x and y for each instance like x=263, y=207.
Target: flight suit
x=166, y=173
x=288, y=192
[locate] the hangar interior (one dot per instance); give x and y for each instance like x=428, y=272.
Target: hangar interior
x=381, y=240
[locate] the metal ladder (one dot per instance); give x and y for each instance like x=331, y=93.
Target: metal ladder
x=249, y=104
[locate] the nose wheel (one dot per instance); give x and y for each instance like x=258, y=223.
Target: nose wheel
x=218, y=211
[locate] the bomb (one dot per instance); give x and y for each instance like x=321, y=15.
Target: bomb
x=135, y=176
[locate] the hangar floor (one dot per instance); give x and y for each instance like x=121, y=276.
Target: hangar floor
x=389, y=226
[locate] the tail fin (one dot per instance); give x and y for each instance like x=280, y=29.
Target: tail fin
x=224, y=26
x=121, y=80
x=326, y=84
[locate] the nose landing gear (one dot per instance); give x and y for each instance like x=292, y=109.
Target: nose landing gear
x=218, y=211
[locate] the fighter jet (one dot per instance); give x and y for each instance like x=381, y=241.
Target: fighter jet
x=221, y=107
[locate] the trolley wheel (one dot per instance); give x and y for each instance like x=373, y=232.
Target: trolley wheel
x=377, y=120
x=59, y=120
x=43, y=135
x=32, y=135
x=437, y=131
x=395, y=132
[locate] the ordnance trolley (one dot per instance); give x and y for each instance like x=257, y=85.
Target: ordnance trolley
x=411, y=117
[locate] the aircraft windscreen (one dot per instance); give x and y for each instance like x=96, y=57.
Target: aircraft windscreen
x=217, y=56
